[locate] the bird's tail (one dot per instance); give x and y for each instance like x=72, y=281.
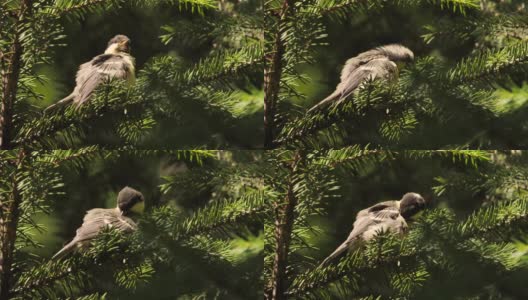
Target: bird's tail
x=65, y=250
x=61, y=102
x=335, y=95
x=342, y=248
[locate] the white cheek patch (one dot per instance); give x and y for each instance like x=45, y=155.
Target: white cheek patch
x=111, y=49
x=138, y=207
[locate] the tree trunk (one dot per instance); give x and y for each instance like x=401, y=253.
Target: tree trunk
x=284, y=218
x=8, y=230
x=10, y=65
x=272, y=76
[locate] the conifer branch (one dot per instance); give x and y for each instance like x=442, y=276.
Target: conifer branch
x=502, y=218
x=9, y=217
x=350, y=155
x=48, y=125
x=273, y=73
x=45, y=279
x=284, y=219
x=327, y=7
x=357, y=263
x=219, y=215
x=81, y=7
x=10, y=77
x=58, y=158
x=489, y=63
x=223, y=65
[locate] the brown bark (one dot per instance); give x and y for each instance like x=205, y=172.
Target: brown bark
x=8, y=230
x=284, y=218
x=272, y=76
x=10, y=86
x=10, y=65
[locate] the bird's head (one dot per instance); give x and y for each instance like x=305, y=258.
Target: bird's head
x=411, y=204
x=130, y=201
x=118, y=44
x=397, y=53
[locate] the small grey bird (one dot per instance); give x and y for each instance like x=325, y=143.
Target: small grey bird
x=115, y=62
x=129, y=202
x=384, y=216
x=376, y=63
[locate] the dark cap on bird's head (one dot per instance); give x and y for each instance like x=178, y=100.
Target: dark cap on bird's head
x=130, y=200
x=122, y=42
x=397, y=52
x=410, y=204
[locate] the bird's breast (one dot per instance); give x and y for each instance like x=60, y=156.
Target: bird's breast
x=129, y=62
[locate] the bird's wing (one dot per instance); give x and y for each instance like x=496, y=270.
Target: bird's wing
x=355, y=62
x=356, y=74
x=377, y=207
x=377, y=68
x=390, y=220
x=101, y=68
x=96, y=219
x=367, y=219
x=376, y=214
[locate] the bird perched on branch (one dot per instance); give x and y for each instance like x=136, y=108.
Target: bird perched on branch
x=376, y=63
x=115, y=63
x=384, y=216
x=129, y=202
